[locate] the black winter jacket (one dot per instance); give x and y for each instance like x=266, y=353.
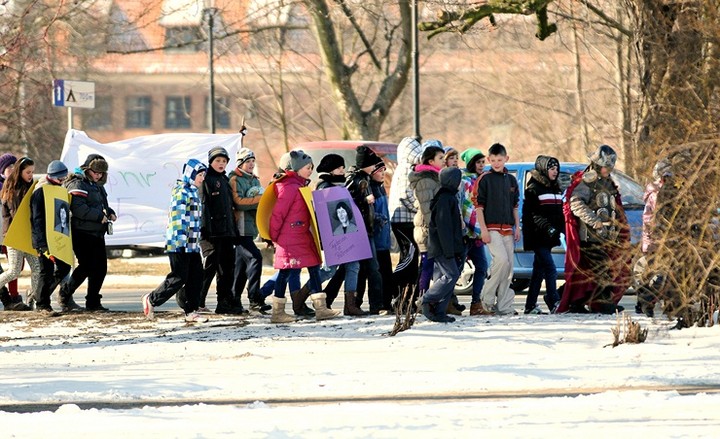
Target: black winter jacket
x=445, y=236
x=498, y=195
x=358, y=184
x=217, y=202
x=88, y=206
x=542, y=212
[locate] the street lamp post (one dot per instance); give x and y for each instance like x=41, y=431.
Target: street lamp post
x=209, y=13
x=416, y=68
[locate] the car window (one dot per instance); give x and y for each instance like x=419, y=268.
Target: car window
x=630, y=191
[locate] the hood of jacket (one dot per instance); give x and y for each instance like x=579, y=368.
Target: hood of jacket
x=409, y=151
x=416, y=176
x=450, y=178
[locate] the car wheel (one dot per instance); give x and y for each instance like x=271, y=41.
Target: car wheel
x=519, y=285
x=464, y=284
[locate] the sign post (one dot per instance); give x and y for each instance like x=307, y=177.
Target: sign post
x=73, y=94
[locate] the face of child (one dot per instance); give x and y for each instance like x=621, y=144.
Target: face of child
x=306, y=171
x=219, y=164
x=605, y=172
x=452, y=161
x=338, y=171
x=379, y=175
x=553, y=173
x=199, y=178
x=438, y=161
x=96, y=176
x=497, y=162
x=248, y=166
x=479, y=165
x=27, y=173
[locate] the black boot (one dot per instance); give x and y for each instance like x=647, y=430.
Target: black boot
x=67, y=303
x=16, y=304
x=258, y=303
x=93, y=304
x=5, y=297
x=227, y=306
x=299, y=298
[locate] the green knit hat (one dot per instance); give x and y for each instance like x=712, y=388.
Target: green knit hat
x=470, y=156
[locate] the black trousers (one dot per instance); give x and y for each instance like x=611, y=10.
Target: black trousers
x=218, y=259
x=406, y=271
x=186, y=270
x=248, y=268
x=51, y=274
x=91, y=265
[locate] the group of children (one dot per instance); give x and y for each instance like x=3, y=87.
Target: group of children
x=441, y=216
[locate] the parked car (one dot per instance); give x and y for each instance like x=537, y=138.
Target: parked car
x=632, y=199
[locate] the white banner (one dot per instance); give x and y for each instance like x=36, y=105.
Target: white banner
x=142, y=172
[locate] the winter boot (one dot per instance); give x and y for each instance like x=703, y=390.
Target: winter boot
x=17, y=304
x=278, y=311
x=5, y=297
x=321, y=310
x=258, y=303
x=477, y=309
x=67, y=303
x=299, y=297
x=94, y=304
x=457, y=305
x=452, y=309
x=428, y=311
x=350, y=308
x=227, y=306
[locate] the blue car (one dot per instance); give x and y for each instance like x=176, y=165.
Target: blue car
x=632, y=198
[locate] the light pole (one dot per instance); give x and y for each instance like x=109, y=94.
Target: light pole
x=209, y=13
x=416, y=69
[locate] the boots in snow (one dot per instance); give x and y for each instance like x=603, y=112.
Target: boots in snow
x=321, y=310
x=67, y=303
x=278, y=311
x=299, y=297
x=13, y=303
x=351, y=309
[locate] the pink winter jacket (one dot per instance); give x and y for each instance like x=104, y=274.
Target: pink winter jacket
x=290, y=226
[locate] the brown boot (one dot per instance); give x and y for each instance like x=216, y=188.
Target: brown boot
x=321, y=310
x=451, y=309
x=351, y=309
x=298, y=302
x=476, y=309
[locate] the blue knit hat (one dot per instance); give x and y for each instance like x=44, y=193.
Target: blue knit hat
x=57, y=170
x=192, y=168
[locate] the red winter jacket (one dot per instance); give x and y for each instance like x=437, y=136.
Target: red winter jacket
x=290, y=225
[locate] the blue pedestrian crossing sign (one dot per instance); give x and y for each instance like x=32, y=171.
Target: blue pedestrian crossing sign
x=73, y=93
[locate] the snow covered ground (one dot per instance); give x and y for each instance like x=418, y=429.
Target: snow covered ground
x=118, y=375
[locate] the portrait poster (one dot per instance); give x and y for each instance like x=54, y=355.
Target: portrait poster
x=265, y=208
x=342, y=230
x=57, y=222
x=306, y=193
x=19, y=235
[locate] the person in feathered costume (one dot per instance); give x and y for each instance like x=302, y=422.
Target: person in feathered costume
x=597, y=263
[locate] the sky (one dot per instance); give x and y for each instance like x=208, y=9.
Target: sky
x=119, y=375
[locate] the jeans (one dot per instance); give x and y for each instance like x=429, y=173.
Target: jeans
x=285, y=273
x=371, y=268
x=543, y=269
x=476, y=254
x=248, y=268
x=441, y=291
x=269, y=286
x=185, y=270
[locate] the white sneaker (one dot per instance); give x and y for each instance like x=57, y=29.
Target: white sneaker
x=204, y=310
x=537, y=310
x=195, y=317
x=147, y=307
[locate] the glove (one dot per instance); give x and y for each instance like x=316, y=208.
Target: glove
x=47, y=254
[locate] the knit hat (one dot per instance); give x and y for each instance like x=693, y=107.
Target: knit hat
x=57, y=170
x=471, y=156
x=218, y=151
x=432, y=142
x=449, y=152
x=378, y=166
x=330, y=163
x=96, y=163
x=192, y=168
x=243, y=155
x=284, y=162
x=365, y=157
x=298, y=160
x=6, y=160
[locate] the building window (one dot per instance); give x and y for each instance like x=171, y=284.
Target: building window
x=222, y=112
x=100, y=117
x=177, y=112
x=183, y=39
x=138, y=112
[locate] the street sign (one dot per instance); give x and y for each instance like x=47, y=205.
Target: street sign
x=73, y=93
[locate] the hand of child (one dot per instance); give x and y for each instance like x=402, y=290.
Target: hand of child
x=370, y=199
x=517, y=234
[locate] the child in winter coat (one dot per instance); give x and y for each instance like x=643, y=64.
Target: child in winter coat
x=358, y=184
x=52, y=269
x=246, y=193
x=294, y=242
x=219, y=233
x=183, y=246
x=445, y=246
x=381, y=236
x=425, y=182
x=542, y=223
x=9, y=293
x=13, y=191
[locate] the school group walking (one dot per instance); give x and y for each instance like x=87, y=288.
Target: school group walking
x=443, y=216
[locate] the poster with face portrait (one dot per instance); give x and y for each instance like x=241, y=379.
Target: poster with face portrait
x=57, y=222
x=342, y=230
